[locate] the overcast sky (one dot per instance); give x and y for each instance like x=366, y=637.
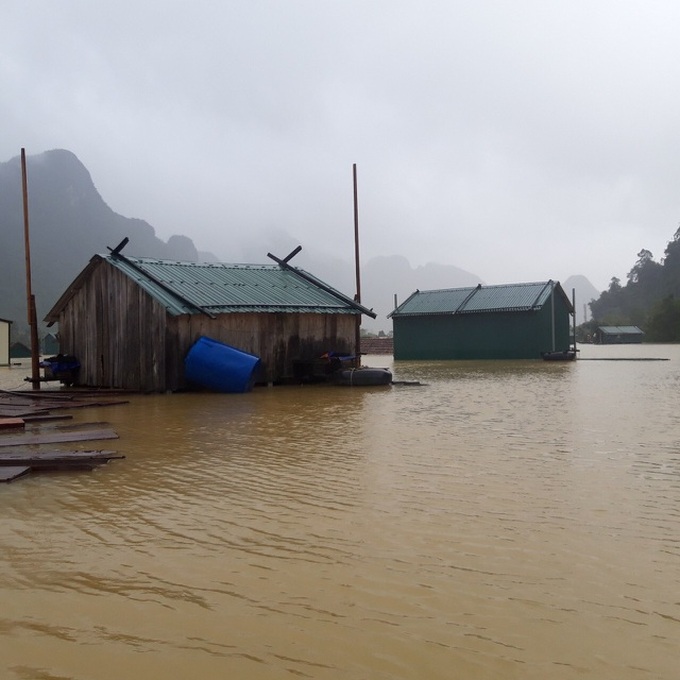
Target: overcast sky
x=520, y=140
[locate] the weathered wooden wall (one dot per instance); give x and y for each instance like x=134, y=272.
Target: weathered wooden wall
x=123, y=338
x=117, y=332
x=279, y=339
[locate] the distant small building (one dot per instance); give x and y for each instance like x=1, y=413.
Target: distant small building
x=514, y=321
x=50, y=344
x=17, y=350
x=5, y=334
x=131, y=321
x=618, y=335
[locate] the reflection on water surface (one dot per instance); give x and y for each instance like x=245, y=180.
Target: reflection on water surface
x=503, y=520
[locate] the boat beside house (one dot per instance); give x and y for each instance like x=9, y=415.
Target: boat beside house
x=131, y=321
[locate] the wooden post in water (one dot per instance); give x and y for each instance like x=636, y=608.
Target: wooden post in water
x=552, y=311
x=573, y=304
x=30, y=298
x=357, y=297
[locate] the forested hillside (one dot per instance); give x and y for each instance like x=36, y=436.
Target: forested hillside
x=650, y=298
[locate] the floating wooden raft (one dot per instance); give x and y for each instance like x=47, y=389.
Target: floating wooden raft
x=21, y=449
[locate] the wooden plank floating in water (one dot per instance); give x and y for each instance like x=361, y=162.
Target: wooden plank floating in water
x=23, y=403
x=12, y=423
x=46, y=418
x=624, y=359
x=12, y=472
x=56, y=437
x=57, y=459
x=35, y=409
x=15, y=411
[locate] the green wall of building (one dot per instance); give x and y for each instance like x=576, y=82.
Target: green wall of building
x=484, y=335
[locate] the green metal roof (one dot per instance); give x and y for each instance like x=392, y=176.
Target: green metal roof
x=217, y=288
x=214, y=288
x=621, y=330
x=514, y=297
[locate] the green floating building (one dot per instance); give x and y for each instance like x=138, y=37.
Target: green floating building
x=513, y=321
x=618, y=335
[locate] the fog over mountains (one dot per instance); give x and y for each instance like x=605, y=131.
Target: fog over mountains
x=70, y=222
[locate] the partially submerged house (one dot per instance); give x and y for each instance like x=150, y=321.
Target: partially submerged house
x=131, y=321
x=49, y=344
x=514, y=321
x=17, y=350
x=618, y=335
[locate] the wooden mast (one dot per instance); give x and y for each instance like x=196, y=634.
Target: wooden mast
x=30, y=298
x=357, y=297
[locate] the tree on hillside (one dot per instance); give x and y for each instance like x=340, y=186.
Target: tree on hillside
x=609, y=308
x=649, y=298
x=671, y=267
x=664, y=321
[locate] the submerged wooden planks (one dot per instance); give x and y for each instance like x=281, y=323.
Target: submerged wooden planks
x=11, y=472
x=26, y=427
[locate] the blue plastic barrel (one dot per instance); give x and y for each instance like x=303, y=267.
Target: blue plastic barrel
x=220, y=367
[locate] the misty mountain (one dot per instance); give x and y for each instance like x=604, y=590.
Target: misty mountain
x=388, y=281
x=585, y=293
x=70, y=222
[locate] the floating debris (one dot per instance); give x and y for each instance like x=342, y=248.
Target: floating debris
x=26, y=425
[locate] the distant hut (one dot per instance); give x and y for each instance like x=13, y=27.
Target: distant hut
x=618, y=335
x=17, y=350
x=131, y=321
x=514, y=321
x=49, y=344
x=5, y=334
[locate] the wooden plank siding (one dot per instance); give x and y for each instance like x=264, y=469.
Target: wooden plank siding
x=117, y=332
x=124, y=338
x=278, y=339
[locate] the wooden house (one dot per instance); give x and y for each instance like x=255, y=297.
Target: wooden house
x=515, y=321
x=17, y=350
x=131, y=321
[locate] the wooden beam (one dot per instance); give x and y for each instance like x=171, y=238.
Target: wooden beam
x=56, y=437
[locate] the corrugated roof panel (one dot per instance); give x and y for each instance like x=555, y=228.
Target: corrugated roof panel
x=621, y=330
x=511, y=297
x=521, y=296
x=435, y=301
x=189, y=287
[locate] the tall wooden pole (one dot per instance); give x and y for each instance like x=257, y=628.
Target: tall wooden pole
x=30, y=298
x=573, y=304
x=552, y=311
x=357, y=297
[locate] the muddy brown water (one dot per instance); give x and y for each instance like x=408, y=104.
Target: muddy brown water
x=502, y=520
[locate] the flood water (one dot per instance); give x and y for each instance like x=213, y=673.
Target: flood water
x=502, y=520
